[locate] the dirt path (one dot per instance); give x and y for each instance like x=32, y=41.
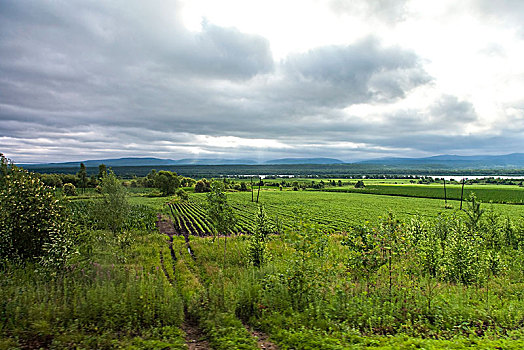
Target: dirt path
x=195, y=339
x=262, y=339
x=165, y=225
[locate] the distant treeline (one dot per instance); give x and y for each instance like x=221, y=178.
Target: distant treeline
x=302, y=170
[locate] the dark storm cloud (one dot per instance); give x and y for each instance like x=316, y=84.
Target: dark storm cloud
x=358, y=73
x=125, y=78
x=65, y=63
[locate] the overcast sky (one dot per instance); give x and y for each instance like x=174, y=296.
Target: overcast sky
x=260, y=79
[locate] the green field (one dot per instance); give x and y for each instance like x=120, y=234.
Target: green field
x=486, y=193
x=340, y=211
x=311, y=270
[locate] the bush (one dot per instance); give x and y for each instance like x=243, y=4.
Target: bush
x=167, y=182
x=360, y=184
x=258, y=240
x=34, y=225
x=202, y=186
x=69, y=189
x=114, y=207
x=182, y=195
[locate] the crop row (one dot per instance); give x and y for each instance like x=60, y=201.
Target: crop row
x=191, y=218
x=340, y=211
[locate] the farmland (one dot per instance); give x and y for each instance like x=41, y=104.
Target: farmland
x=486, y=193
x=301, y=269
x=330, y=211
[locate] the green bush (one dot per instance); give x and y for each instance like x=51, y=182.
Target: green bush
x=33, y=222
x=114, y=207
x=69, y=189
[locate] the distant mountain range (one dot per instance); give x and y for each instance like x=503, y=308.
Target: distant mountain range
x=186, y=161
x=511, y=161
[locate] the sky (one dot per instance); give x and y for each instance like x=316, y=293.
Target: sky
x=261, y=79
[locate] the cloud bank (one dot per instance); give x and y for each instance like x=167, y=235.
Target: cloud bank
x=85, y=80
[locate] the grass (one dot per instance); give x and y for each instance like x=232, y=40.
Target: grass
x=117, y=299
x=129, y=291
x=340, y=314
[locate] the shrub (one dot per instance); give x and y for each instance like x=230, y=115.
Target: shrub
x=258, y=240
x=180, y=193
x=202, y=186
x=69, y=189
x=360, y=184
x=114, y=208
x=33, y=222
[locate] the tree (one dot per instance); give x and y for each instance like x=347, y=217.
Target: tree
x=167, y=182
x=202, y=186
x=360, y=184
x=34, y=225
x=82, y=176
x=102, y=171
x=258, y=240
x=114, y=207
x=220, y=212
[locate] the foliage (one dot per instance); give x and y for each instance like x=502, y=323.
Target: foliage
x=202, y=186
x=437, y=281
x=4, y=169
x=182, y=195
x=167, y=182
x=227, y=332
x=100, y=305
x=258, y=240
x=69, y=189
x=219, y=211
x=114, y=206
x=82, y=176
x=102, y=171
x=33, y=222
x=360, y=184
x=304, y=274
x=367, y=252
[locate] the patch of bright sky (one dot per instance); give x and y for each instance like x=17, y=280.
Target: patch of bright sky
x=473, y=58
x=290, y=26
x=234, y=142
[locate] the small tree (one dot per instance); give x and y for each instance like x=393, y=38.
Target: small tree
x=167, y=182
x=102, y=171
x=258, y=240
x=367, y=253
x=82, y=177
x=220, y=212
x=114, y=206
x=4, y=169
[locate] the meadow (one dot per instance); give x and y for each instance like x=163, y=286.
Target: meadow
x=298, y=270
